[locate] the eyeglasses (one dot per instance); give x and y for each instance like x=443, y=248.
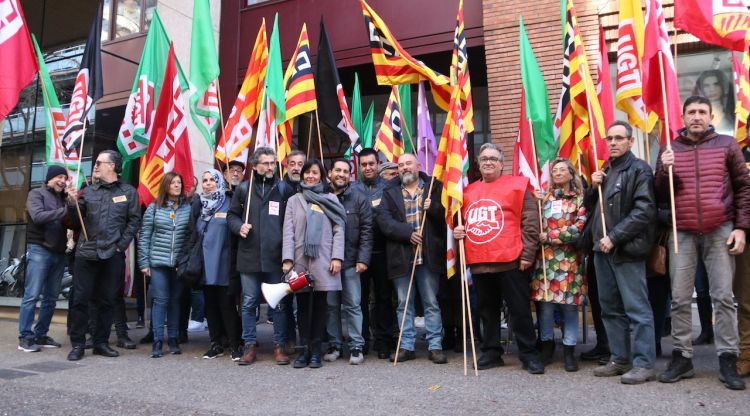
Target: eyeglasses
x=100, y=162
x=269, y=164
x=489, y=159
x=616, y=138
x=236, y=170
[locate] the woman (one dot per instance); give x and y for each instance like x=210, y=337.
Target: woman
x=314, y=242
x=211, y=225
x=164, y=233
x=714, y=85
x=563, y=219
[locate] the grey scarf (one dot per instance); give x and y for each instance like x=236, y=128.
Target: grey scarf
x=314, y=220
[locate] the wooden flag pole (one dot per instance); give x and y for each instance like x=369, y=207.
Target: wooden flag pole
x=249, y=196
x=309, y=136
x=80, y=152
x=221, y=124
x=593, y=146
x=647, y=146
x=539, y=206
x=465, y=294
x=463, y=299
x=668, y=133
x=320, y=141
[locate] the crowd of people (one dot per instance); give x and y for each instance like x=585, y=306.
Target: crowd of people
x=608, y=243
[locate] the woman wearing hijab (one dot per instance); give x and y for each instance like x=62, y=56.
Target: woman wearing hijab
x=314, y=243
x=211, y=225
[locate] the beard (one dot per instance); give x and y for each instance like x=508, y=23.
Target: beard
x=408, y=178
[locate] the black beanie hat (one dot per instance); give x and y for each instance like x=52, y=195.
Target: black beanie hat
x=55, y=170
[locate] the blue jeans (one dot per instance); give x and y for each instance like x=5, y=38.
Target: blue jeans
x=346, y=302
x=166, y=288
x=623, y=295
x=250, y=302
x=427, y=283
x=197, y=306
x=547, y=322
x=44, y=271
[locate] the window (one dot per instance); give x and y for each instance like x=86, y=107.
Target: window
x=126, y=17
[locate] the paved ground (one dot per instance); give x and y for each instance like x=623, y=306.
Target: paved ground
x=133, y=384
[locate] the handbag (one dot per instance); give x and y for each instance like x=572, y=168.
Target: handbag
x=656, y=265
x=190, y=263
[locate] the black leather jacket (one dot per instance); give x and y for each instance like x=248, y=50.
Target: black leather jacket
x=629, y=207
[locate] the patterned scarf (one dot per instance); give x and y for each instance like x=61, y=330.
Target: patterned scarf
x=211, y=202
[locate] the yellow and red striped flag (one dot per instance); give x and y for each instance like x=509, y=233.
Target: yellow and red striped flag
x=390, y=139
x=235, y=143
x=300, y=92
x=742, y=107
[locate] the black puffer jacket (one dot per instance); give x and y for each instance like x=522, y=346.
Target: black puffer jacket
x=112, y=216
x=359, y=227
x=391, y=217
x=629, y=207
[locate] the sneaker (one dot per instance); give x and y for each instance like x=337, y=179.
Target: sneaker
x=47, y=342
x=612, y=369
x=419, y=322
x=638, y=375
x=332, y=354
x=356, y=357
x=215, y=351
x=679, y=368
x=195, y=326
x=236, y=353
x=28, y=345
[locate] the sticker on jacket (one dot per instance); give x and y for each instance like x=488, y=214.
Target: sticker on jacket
x=273, y=208
x=220, y=215
x=118, y=199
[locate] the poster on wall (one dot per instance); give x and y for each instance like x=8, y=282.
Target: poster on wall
x=710, y=74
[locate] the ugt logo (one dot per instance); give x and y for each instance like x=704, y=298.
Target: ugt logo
x=10, y=19
x=484, y=221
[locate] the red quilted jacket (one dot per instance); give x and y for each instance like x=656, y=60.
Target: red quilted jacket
x=712, y=184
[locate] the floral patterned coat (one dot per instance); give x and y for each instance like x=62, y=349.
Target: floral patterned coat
x=563, y=216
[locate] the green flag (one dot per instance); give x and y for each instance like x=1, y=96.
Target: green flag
x=357, y=106
x=204, y=74
x=274, y=74
x=54, y=118
x=537, y=102
x=367, y=127
x=404, y=96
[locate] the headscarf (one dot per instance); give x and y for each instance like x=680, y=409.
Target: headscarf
x=211, y=202
x=314, y=194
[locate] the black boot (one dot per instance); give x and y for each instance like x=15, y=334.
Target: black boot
x=174, y=346
x=680, y=367
x=569, y=352
x=546, y=351
x=705, y=314
x=156, y=351
x=728, y=372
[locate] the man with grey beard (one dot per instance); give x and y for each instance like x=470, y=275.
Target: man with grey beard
x=406, y=200
x=294, y=163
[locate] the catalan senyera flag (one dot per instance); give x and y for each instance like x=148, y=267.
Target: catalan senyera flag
x=720, y=22
x=630, y=34
x=742, y=108
x=574, y=126
x=390, y=140
x=300, y=92
x=235, y=143
x=169, y=147
x=460, y=63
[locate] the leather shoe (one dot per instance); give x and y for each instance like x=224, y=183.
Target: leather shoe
x=279, y=356
x=315, y=361
x=248, y=355
x=403, y=355
x=105, y=350
x=534, y=366
x=383, y=355
x=76, y=353
x=437, y=357
x=490, y=359
x=125, y=342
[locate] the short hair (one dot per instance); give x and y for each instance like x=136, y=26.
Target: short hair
x=369, y=152
x=341, y=160
x=263, y=151
x=114, y=157
x=315, y=162
x=297, y=153
x=628, y=127
x=697, y=99
x=166, y=182
x=492, y=146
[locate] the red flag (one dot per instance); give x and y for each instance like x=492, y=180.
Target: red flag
x=656, y=48
x=15, y=48
x=604, y=82
x=169, y=148
x=721, y=22
x=524, y=157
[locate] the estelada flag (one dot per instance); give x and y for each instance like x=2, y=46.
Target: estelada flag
x=15, y=48
x=720, y=22
x=390, y=138
x=169, y=147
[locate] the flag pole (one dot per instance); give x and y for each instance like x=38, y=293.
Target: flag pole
x=467, y=311
x=221, y=124
x=593, y=146
x=539, y=206
x=463, y=298
x=309, y=136
x=249, y=196
x=80, y=152
x=65, y=164
x=668, y=133
x=320, y=141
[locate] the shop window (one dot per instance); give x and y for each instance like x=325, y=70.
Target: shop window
x=122, y=18
x=15, y=176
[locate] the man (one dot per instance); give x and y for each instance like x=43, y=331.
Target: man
x=294, y=163
x=500, y=255
x=383, y=314
x=233, y=173
x=347, y=302
x=111, y=216
x=406, y=200
x=620, y=254
x=388, y=170
x=711, y=195
x=46, y=241
x=259, y=249
x=292, y=179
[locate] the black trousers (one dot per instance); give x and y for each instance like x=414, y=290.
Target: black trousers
x=119, y=315
x=513, y=287
x=99, y=281
x=382, y=317
x=659, y=291
x=449, y=298
x=222, y=316
x=186, y=301
x=312, y=319
x=596, y=308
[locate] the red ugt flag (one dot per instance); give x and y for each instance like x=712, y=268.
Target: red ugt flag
x=16, y=47
x=720, y=22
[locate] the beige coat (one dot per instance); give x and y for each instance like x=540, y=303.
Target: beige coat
x=331, y=246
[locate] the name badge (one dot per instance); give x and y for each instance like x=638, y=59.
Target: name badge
x=220, y=215
x=557, y=207
x=118, y=199
x=273, y=208
x=376, y=202
x=316, y=208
